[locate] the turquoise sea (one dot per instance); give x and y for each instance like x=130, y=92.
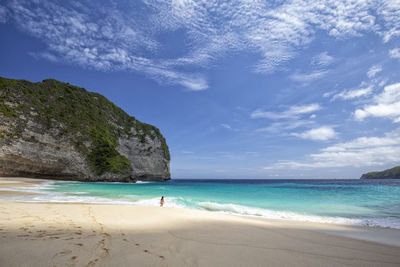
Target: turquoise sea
x=355, y=202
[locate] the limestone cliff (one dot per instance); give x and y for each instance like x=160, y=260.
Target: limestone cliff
x=52, y=129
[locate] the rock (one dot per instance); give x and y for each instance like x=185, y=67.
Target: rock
x=393, y=173
x=55, y=130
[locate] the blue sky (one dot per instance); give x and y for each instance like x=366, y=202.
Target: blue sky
x=240, y=89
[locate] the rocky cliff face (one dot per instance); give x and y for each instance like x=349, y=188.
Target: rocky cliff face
x=55, y=130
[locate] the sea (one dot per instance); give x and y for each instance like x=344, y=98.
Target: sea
x=374, y=203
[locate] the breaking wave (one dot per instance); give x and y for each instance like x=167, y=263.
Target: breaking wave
x=285, y=215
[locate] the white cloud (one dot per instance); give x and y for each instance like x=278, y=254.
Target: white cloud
x=362, y=151
x=289, y=119
x=3, y=14
x=112, y=43
x=297, y=110
x=389, y=12
x=229, y=127
x=278, y=127
x=124, y=35
x=322, y=59
x=193, y=82
x=226, y=126
x=385, y=105
x=44, y=55
x=308, y=77
x=356, y=93
x=374, y=70
x=323, y=133
x=394, y=53
x=328, y=94
x=292, y=112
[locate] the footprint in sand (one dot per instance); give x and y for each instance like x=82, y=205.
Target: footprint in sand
x=126, y=240
x=64, y=252
x=92, y=263
x=161, y=257
x=71, y=260
x=137, y=245
x=79, y=244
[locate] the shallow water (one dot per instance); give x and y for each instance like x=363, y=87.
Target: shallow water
x=354, y=202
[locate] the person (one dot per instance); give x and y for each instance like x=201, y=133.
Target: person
x=162, y=201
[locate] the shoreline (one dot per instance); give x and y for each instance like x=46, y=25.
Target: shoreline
x=382, y=235
x=86, y=234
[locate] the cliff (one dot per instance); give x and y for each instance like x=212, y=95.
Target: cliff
x=393, y=173
x=52, y=129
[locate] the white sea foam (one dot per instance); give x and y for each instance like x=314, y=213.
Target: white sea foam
x=31, y=189
x=77, y=197
x=286, y=215
x=155, y=202
x=55, y=197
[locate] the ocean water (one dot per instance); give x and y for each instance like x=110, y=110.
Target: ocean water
x=354, y=202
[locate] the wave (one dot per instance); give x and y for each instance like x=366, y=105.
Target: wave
x=286, y=215
x=38, y=188
x=44, y=195
x=56, y=197
x=171, y=202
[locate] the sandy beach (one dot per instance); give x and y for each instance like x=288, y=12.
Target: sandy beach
x=59, y=234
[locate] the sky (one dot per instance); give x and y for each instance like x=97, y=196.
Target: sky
x=240, y=89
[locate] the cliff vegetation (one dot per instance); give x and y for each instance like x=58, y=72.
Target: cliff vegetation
x=93, y=123
x=393, y=173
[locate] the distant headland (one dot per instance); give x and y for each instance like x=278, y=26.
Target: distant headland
x=52, y=129
x=393, y=173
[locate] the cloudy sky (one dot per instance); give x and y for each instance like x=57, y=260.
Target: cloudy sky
x=241, y=88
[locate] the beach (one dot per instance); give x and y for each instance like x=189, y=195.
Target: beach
x=82, y=234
